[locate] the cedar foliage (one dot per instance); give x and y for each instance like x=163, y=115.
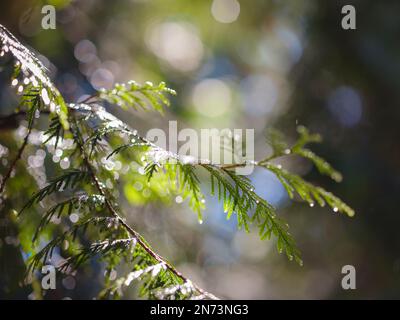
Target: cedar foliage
x=90, y=138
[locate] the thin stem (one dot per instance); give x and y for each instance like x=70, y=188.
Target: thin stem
x=271, y=157
x=89, y=98
x=256, y=163
x=13, y=164
x=233, y=166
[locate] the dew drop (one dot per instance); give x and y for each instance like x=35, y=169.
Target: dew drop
x=52, y=107
x=109, y=165
x=311, y=204
x=64, y=163
x=14, y=82
x=45, y=97
x=178, y=199
x=34, y=81
x=74, y=218
x=58, y=152
x=335, y=209
x=65, y=244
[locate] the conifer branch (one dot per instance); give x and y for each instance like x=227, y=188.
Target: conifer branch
x=129, y=229
x=98, y=136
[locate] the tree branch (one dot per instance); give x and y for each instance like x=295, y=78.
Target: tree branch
x=128, y=228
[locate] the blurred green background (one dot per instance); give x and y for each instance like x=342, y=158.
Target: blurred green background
x=248, y=64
